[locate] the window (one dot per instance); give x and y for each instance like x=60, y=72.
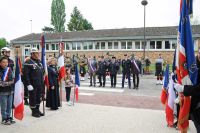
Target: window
x=159, y=45
x=90, y=45
x=78, y=45
x=36, y=46
x=116, y=46
x=73, y=46
x=97, y=45
x=152, y=45
x=137, y=45
x=53, y=46
x=143, y=44
x=67, y=47
x=123, y=45
x=103, y=45
x=85, y=46
x=109, y=45
x=129, y=45
x=47, y=46
x=174, y=43
x=167, y=45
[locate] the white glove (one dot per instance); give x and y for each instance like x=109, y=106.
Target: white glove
x=52, y=87
x=30, y=87
x=178, y=87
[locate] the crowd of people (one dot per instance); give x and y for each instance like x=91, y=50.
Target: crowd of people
x=102, y=67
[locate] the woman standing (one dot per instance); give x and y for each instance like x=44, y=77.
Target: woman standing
x=52, y=100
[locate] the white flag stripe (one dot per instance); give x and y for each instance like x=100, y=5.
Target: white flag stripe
x=61, y=61
x=171, y=93
x=18, y=95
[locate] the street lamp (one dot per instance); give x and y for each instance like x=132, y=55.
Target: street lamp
x=144, y=3
x=31, y=25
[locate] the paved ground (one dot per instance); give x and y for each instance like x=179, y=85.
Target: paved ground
x=103, y=110
x=86, y=118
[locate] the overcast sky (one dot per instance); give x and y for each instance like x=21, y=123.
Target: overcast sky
x=15, y=15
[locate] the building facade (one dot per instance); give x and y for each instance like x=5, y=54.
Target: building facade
x=159, y=40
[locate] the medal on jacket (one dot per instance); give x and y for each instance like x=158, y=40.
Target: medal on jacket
x=5, y=74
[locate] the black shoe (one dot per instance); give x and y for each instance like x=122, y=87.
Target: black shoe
x=90, y=85
x=94, y=85
x=103, y=85
x=11, y=120
x=114, y=86
x=100, y=85
x=111, y=87
x=5, y=122
x=35, y=114
x=40, y=113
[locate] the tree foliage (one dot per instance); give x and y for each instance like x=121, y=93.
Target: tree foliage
x=78, y=22
x=48, y=29
x=3, y=42
x=58, y=15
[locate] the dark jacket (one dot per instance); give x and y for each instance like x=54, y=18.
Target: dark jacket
x=135, y=66
x=102, y=67
x=113, y=68
x=9, y=81
x=52, y=75
x=33, y=73
x=11, y=64
x=126, y=66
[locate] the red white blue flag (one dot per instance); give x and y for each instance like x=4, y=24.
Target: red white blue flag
x=163, y=96
x=185, y=61
x=43, y=59
x=18, y=94
x=61, y=65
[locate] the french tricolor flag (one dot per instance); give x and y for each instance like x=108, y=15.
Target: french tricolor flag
x=18, y=94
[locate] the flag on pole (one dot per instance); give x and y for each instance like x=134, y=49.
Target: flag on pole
x=170, y=103
x=44, y=62
x=186, y=67
x=61, y=65
x=77, y=81
x=18, y=94
x=163, y=96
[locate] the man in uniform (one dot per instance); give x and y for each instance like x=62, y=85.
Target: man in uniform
x=102, y=71
x=107, y=61
x=135, y=69
x=92, y=68
x=113, y=68
x=33, y=76
x=159, y=69
x=126, y=66
x=82, y=63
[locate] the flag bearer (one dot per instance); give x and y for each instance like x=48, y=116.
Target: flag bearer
x=33, y=75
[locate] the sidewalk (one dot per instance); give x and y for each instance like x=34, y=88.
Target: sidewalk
x=85, y=118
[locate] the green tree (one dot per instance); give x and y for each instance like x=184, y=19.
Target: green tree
x=48, y=29
x=58, y=15
x=3, y=42
x=78, y=22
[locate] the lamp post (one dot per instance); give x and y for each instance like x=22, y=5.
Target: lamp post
x=144, y=3
x=31, y=25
